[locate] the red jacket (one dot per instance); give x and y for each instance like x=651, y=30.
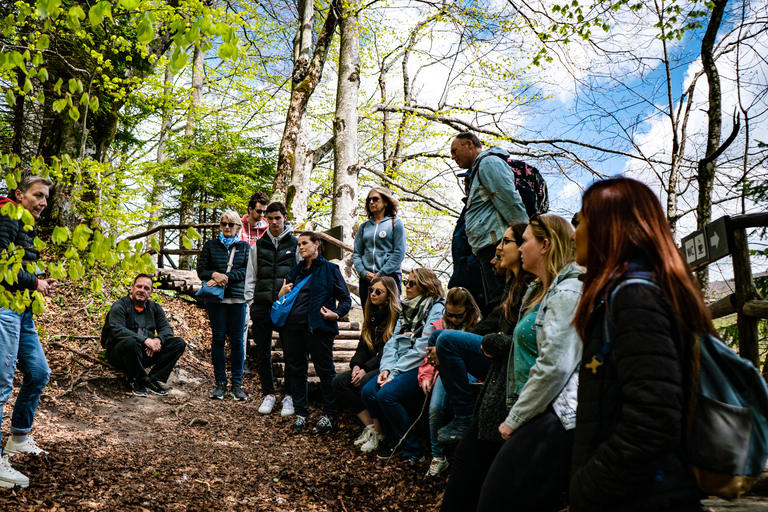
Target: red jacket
x=252, y=233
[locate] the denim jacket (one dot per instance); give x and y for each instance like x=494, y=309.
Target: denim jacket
x=554, y=377
x=401, y=353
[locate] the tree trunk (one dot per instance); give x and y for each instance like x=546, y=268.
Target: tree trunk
x=156, y=194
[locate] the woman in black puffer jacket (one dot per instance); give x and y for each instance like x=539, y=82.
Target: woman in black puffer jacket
x=632, y=393
x=227, y=316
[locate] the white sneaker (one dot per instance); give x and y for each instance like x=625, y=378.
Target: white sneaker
x=372, y=444
x=287, y=409
x=364, y=436
x=28, y=446
x=9, y=476
x=437, y=466
x=267, y=405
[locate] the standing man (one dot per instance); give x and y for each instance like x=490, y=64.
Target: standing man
x=254, y=225
x=269, y=262
x=19, y=344
x=492, y=202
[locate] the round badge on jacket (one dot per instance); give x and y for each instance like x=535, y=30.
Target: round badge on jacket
x=382, y=234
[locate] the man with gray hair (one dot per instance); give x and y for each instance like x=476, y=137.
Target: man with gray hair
x=19, y=344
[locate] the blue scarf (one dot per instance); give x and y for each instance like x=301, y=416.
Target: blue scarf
x=229, y=241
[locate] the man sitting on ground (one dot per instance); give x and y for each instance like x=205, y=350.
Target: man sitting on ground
x=137, y=335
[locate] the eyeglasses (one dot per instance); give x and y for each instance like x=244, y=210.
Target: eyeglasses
x=505, y=241
x=374, y=199
x=409, y=282
x=260, y=211
x=537, y=219
x=376, y=291
x=457, y=316
x=228, y=224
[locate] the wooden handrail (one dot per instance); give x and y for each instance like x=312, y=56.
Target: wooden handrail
x=750, y=220
x=171, y=226
x=326, y=238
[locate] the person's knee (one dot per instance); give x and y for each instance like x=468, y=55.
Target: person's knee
x=39, y=376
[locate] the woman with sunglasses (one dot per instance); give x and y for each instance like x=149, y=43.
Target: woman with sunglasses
x=224, y=262
x=397, y=383
x=631, y=415
x=380, y=317
x=530, y=472
x=379, y=242
x=482, y=441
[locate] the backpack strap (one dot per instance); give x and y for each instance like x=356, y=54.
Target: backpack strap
x=481, y=158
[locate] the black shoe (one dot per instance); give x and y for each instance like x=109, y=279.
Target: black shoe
x=219, y=392
x=388, y=454
x=153, y=386
x=325, y=425
x=415, y=460
x=300, y=424
x=138, y=388
x=238, y=394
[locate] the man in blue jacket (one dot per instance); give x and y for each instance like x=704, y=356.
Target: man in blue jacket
x=492, y=202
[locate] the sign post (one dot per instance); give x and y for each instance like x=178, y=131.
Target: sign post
x=708, y=244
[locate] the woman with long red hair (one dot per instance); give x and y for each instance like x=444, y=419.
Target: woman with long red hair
x=630, y=419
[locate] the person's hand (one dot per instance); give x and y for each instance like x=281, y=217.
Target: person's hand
x=357, y=375
x=505, y=431
x=486, y=354
x=383, y=378
x=219, y=278
x=287, y=287
x=432, y=356
x=328, y=314
x=370, y=276
x=46, y=287
x=152, y=345
x=426, y=386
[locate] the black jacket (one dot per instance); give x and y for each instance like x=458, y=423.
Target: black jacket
x=274, y=264
x=328, y=289
x=12, y=231
x=368, y=359
x=123, y=323
x=630, y=416
x=215, y=257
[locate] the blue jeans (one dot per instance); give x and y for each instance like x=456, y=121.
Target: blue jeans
x=460, y=356
x=387, y=404
x=439, y=415
x=20, y=347
x=227, y=319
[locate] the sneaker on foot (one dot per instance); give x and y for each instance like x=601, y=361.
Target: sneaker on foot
x=28, y=446
x=9, y=477
x=368, y=431
x=415, y=460
x=300, y=424
x=388, y=454
x=267, y=404
x=138, y=388
x=238, y=394
x=287, y=409
x=325, y=425
x=437, y=466
x=219, y=392
x=153, y=386
x=372, y=444
x=454, y=431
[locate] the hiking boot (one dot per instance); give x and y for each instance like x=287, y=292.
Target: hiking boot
x=325, y=425
x=454, y=431
x=365, y=435
x=300, y=424
x=9, y=476
x=287, y=409
x=372, y=444
x=437, y=466
x=267, y=404
x=238, y=394
x=219, y=392
x=28, y=446
x=388, y=454
x=138, y=388
x=153, y=386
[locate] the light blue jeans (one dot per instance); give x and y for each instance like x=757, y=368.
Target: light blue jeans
x=20, y=348
x=440, y=414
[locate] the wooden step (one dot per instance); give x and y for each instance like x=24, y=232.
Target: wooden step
x=341, y=356
x=343, y=335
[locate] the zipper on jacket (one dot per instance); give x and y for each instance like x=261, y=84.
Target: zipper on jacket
x=375, y=234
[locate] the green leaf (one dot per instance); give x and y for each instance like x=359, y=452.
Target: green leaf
x=27, y=219
x=42, y=74
x=10, y=98
x=38, y=305
x=27, y=86
x=96, y=16
x=129, y=5
x=74, y=113
x=145, y=31
x=192, y=233
x=39, y=244
x=57, y=271
x=57, y=87
x=186, y=242
x=60, y=235
x=94, y=103
x=227, y=51
x=43, y=43
x=10, y=180
x=178, y=60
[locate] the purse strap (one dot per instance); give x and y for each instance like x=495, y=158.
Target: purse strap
x=231, y=258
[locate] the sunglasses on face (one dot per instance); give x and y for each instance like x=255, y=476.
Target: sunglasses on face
x=262, y=212
x=537, y=219
x=457, y=316
x=409, y=282
x=377, y=291
x=228, y=224
x=374, y=199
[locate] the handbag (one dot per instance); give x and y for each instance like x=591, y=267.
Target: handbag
x=281, y=308
x=215, y=293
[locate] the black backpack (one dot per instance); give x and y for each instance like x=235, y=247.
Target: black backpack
x=530, y=184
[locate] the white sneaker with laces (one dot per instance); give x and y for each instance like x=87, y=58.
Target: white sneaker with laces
x=267, y=405
x=437, y=466
x=287, y=409
x=364, y=436
x=28, y=446
x=373, y=442
x=9, y=477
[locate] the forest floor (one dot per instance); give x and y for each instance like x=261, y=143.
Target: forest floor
x=109, y=450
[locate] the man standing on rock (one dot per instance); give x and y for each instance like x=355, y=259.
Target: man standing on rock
x=19, y=344
x=137, y=335
x=269, y=263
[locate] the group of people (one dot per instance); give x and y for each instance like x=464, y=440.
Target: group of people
x=582, y=398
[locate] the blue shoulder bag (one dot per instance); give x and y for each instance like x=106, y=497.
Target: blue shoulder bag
x=281, y=308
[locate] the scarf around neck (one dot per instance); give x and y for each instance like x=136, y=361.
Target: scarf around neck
x=414, y=314
x=229, y=241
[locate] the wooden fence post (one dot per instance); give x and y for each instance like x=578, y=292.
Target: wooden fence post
x=745, y=291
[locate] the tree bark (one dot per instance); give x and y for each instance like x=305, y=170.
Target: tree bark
x=156, y=194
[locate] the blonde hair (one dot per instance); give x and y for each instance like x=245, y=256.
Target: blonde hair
x=561, y=252
x=232, y=216
x=386, y=195
x=393, y=304
x=458, y=297
x=428, y=281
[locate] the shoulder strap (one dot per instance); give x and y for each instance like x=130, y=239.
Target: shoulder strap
x=480, y=159
x=231, y=258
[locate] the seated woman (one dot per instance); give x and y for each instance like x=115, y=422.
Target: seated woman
x=311, y=328
x=531, y=469
x=626, y=453
x=397, y=382
x=462, y=314
x=476, y=451
x=380, y=317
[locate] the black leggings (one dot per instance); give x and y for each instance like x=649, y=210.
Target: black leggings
x=348, y=393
